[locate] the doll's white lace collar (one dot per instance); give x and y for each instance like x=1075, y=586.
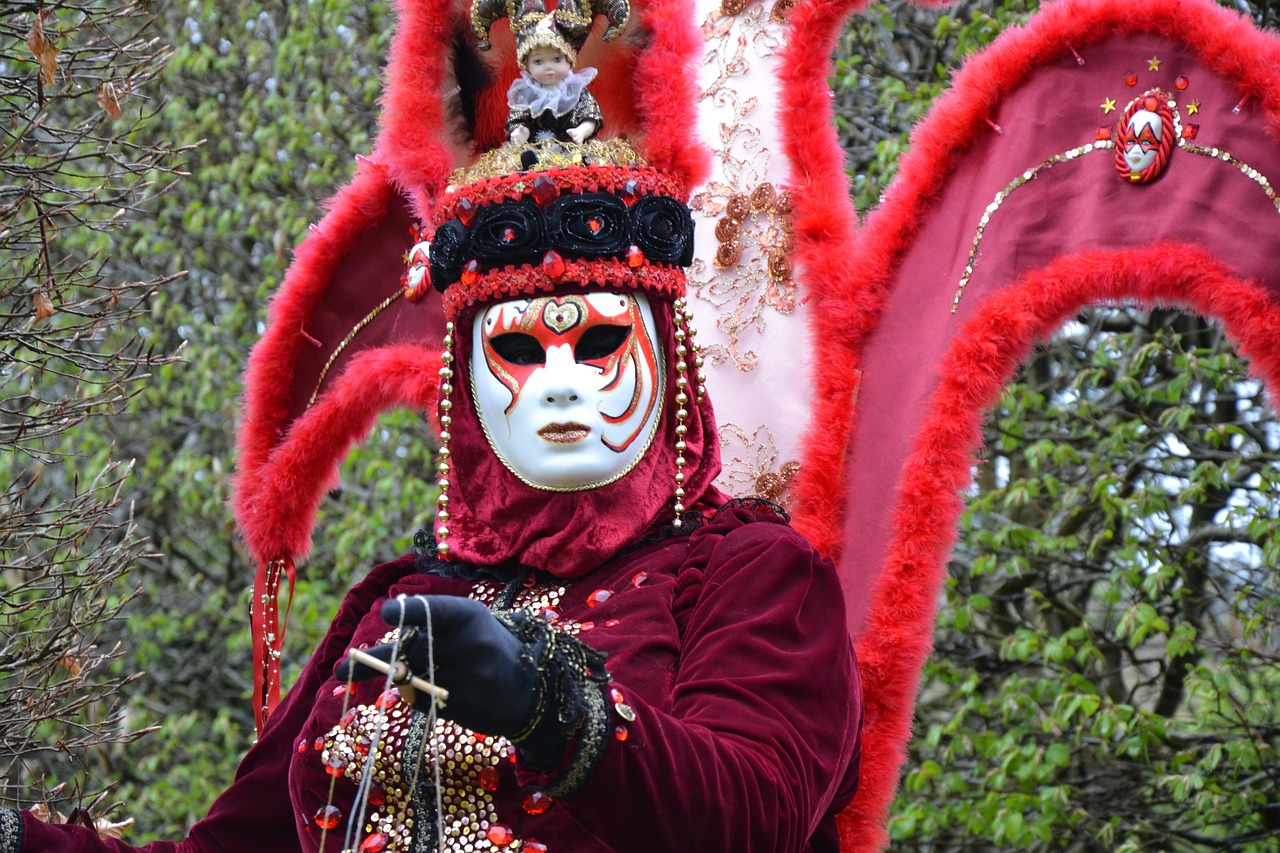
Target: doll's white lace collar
x=560, y=99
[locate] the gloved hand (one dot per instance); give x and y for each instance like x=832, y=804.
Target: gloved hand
x=490, y=677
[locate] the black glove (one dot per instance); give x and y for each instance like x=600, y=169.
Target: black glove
x=490, y=677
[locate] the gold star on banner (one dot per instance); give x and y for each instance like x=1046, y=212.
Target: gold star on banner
x=1153, y=64
x=1193, y=108
x=1108, y=105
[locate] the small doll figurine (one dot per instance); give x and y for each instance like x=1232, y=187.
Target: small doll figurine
x=549, y=100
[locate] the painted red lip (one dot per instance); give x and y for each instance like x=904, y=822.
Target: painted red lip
x=565, y=433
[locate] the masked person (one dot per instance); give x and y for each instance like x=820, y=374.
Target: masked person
x=632, y=661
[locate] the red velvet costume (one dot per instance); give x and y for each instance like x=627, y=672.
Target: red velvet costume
x=743, y=738
x=732, y=714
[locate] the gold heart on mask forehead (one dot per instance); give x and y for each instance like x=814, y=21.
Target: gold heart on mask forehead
x=561, y=314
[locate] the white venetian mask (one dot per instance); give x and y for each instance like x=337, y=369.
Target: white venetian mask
x=568, y=388
x=1142, y=142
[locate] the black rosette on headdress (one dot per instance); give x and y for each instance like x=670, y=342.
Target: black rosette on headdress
x=589, y=224
x=449, y=249
x=509, y=233
x=663, y=229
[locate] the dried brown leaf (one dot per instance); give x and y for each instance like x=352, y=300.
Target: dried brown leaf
x=43, y=48
x=44, y=307
x=108, y=99
x=107, y=829
x=35, y=37
x=71, y=664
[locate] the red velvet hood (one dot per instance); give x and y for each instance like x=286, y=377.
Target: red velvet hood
x=494, y=517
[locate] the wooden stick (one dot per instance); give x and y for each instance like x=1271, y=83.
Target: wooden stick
x=398, y=671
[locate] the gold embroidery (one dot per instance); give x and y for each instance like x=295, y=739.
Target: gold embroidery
x=351, y=336
x=751, y=464
x=750, y=276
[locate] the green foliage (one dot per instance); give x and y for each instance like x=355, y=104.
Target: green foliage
x=892, y=62
x=1107, y=672
x=75, y=163
x=279, y=98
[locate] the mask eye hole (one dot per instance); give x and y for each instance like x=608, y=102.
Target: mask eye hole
x=600, y=342
x=518, y=348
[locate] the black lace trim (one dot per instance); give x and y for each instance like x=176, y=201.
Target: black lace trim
x=423, y=794
x=695, y=520
x=569, y=703
x=10, y=831
x=427, y=558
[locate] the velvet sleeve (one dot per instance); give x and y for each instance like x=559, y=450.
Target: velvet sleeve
x=255, y=812
x=761, y=739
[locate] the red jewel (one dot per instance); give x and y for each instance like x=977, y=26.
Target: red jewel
x=346, y=718
x=375, y=843
x=1151, y=102
x=635, y=257
x=1131, y=79
x=466, y=212
x=532, y=846
x=328, y=817
x=616, y=695
x=377, y=797
x=1189, y=131
x=387, y=699
x=612, y=623
x=1181, y=82
x=489, y=779
x=1103, y=134
x=639, y=578
x=339, y=690
x=319, y=744
x=302, y=747
x=600, y=596
x=480, y=738
x=630, y=192
x=620, y=732
x=362, y=745
x=499, y=835
x=586, y=626
x=471, y=272
x=553, y=265
x=595, y=225
x=508, y=234
x=537, y=802
x=334, y=766
x=549, y=614
x=511, y=753
x=545, y=191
